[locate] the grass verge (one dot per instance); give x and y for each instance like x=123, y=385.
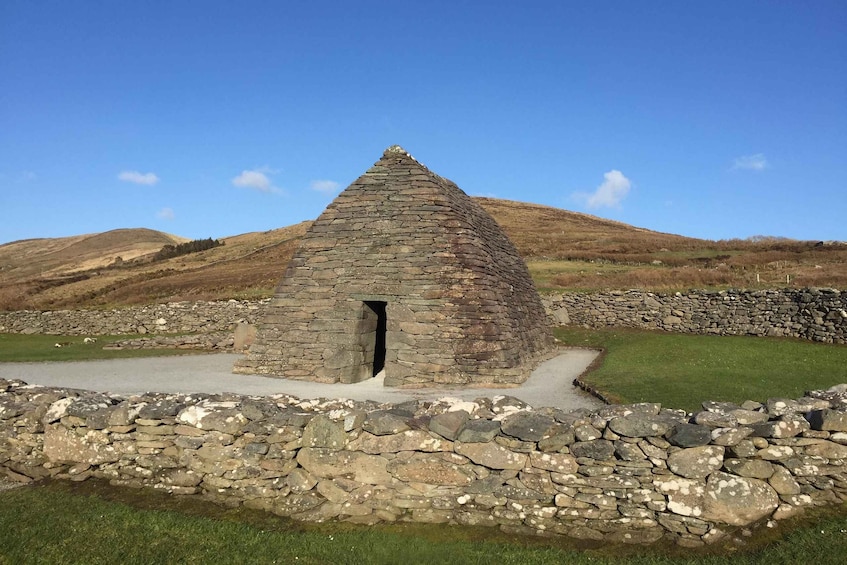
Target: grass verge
x=69, y=523
x=681, y=371
x=38, y=347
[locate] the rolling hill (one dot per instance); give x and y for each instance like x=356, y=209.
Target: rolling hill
x=565, y=250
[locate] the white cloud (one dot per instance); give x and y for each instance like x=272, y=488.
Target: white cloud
x=27, y=176
x=165, y=214
x=257, y=179
x=138, y=178
x=610, y=193
x=755, y=162
x=325, y=186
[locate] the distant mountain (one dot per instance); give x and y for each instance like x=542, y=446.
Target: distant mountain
x=565, y=250
x=67, y=255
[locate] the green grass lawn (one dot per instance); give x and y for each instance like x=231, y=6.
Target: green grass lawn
x=82, y=523
x=681, y=371
x=38, y=347
x=66, y=523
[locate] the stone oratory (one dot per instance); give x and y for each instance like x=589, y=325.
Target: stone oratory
x=403, y=273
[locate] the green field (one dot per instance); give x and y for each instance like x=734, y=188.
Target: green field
x=92, y=523
x=37, y=347
x=681, y=371
x=74, y=523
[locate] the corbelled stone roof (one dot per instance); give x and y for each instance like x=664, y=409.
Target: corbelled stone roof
x=459, y=304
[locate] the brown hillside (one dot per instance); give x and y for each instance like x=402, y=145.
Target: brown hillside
x=565, y=250
x=66, y=255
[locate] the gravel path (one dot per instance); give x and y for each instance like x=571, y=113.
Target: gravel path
x=549, y=385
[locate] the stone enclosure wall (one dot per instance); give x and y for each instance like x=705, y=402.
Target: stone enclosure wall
x=154, y=319
x=809, y=313
x=815, y=314
x=633, y=474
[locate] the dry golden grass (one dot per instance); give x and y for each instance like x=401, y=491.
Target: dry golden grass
x=564, y=250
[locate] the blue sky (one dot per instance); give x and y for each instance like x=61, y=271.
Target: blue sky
x=716, y=119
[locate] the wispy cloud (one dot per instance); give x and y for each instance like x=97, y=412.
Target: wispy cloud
x=325, y=186
x=256, y=179
x=165, y=214
x=138, y=178
x=610, y=193
x=27, y=176
x=755, y=162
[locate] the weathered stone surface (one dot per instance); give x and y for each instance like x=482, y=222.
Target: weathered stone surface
x=323, y=432
x=685, y=496
x=300, y=481
x=84, y=406
x=228, y=421
x=527, y=426
x=403, y=253
x=783, y=482
x=629, y=451
x=828, y=420
x=729, y=437
x=753, y=468
x=599, y=449
x=715, y=419
x=449, y=424
x=737, y=501
x=640, y=425
x=557, y=462
x=690, y=435
x=827, y=449
x=696, y=462
x=479, y=431
x=63, y=445
x=328, y=464
x=491, y=455
x=383, y=422
x=747, y=417
x=163, y=408
x=432, y=469
x=411, y=440
x=587, y=432
x=787, y=426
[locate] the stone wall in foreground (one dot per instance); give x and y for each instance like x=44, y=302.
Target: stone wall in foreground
x=633, y=474
x=810, y=313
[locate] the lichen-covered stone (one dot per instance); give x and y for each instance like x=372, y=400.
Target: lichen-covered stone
x=323, y=432
x=527, y=426
x=479, y=431
x=828, y=420
x=383, y=423
x=696, y=462
x=599, y=449
x=491, y=455
x=431, y=469
x=690, y=435
x=737, y=501
x=449, y=424
x=640, y=425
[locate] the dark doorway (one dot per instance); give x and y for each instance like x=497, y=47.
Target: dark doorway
x=377, y=309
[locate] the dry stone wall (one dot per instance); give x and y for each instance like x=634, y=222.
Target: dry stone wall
x=815, y=314
x=634, y=474
x=156, y=319
x=810, y=313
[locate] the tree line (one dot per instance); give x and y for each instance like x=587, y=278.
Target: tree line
x=194, y=246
